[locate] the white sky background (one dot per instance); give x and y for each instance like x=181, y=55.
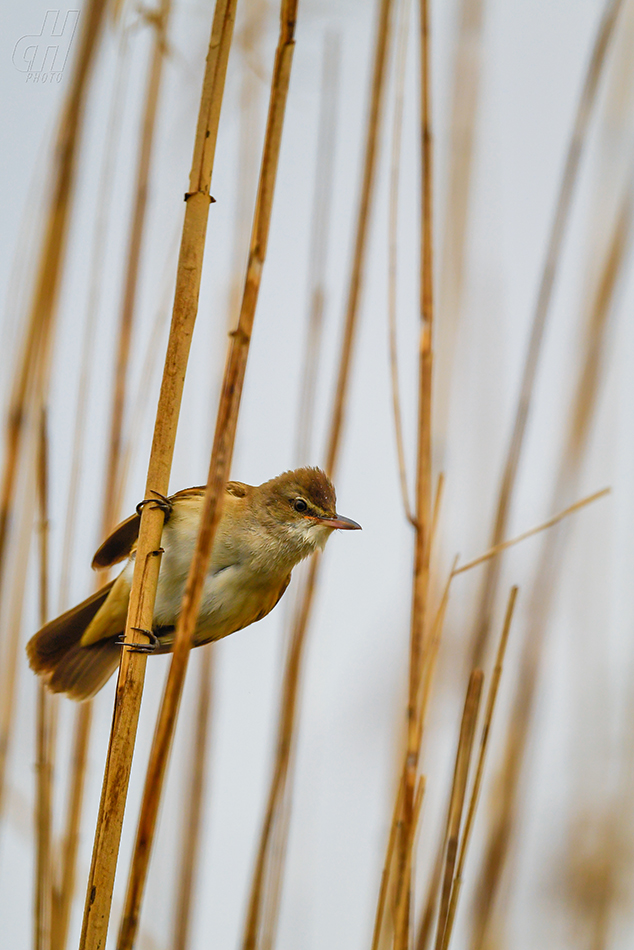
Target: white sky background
x=534, y=58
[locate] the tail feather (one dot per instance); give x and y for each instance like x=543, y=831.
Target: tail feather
x=82, y=671
x=56, y=654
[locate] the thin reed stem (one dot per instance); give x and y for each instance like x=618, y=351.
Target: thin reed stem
x=477, y=781
x=193, y=811
x=31, y=378
x=465, y=96
x=423, y=510
x=113, y=486
x=320, y=229
x=385, y=874
x=362, y=231
x=114, y=468
x=495, y=858
x=218, y=475
x=561, y=217
x=288, y=707
x=45, y=723
x=491, y=553
x=458, y=792
x=395, y=169
x=147, y=563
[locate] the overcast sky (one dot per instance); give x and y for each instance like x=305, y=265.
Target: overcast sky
x=534, y=55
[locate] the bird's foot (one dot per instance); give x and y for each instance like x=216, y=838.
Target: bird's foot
x=159, y=502
x=150, y=647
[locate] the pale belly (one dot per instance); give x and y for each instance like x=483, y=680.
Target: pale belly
x=232, y=597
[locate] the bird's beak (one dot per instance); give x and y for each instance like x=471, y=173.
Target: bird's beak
x=346, y=524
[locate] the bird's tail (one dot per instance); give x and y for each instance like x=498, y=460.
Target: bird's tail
x=55, y=652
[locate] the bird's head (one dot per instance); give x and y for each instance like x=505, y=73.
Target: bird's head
x=301, y=505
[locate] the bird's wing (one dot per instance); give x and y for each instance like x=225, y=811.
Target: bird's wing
x=121, y=542
x=267, y=605
x=109, y=620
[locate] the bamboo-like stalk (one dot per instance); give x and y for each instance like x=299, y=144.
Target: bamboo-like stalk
x=320, y=229
x=477, y=781
x=45, y=732
x=496, y=852
x=140, y=611
x=192, y=813
x=288, y=705
x=457, y=797
x=561, y=217
x=218, y=475
x=395, y=170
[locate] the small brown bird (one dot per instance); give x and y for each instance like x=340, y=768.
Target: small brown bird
x=263, y=533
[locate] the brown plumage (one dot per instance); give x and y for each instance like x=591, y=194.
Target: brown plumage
x=263, y=533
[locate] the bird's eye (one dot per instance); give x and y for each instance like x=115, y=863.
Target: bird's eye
x=299, y=504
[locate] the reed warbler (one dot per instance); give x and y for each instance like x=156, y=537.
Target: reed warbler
x=264, y=531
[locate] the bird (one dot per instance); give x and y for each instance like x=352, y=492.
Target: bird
x=264, y=531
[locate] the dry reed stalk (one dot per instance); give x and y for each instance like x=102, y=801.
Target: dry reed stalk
x=290, y=687
x=140, y=401
x=362, y=229
x=270, y=866
x=285, y=736
x=41, y=318
x=432, y=653
x=385, y=874
x=584, y=402
x=12, y=609
x=98, y=254
x=477, y=781
x=193, y=806
x=428, y=915
x=402, y=926
x=465, y=94
x=585, y=110
x=45, y=726
x=113, y=484
x=492, y=552
x=320, y=230
x=249, y=41
x=64, y=886
x=423, y=501
x=458, y=793
x=32, y=373
x=395, y=168
x=219, y=467
x=140, y=611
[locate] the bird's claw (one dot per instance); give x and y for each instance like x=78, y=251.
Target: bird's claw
x=159, y=502
x=140, y=647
